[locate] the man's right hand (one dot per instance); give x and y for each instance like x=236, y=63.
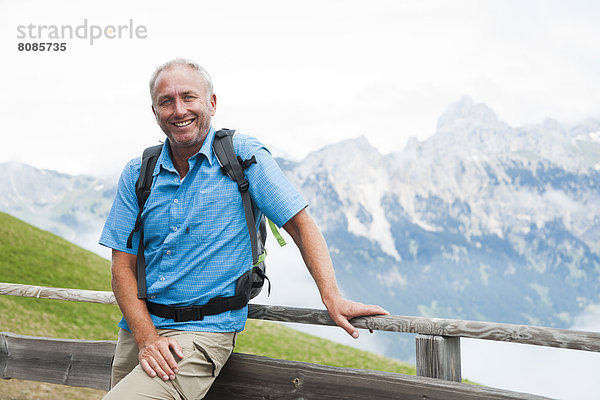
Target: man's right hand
x=157, y=359
x=155, y=354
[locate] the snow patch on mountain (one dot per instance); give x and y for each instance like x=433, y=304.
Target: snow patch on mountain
x=357, y=173
x=373, y=223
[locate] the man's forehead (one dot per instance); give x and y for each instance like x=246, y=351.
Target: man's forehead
x=179, y=78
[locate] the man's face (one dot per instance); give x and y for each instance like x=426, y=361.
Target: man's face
x=182, y=106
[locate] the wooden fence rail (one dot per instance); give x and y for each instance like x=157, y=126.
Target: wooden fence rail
x=87, y=363
x=526, y=334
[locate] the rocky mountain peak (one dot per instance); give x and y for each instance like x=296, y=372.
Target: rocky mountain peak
x=466, y=115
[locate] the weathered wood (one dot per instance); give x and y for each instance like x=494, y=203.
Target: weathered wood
x=540, y=336
x=3, y=355
x=253, y=377
x=72, y=362
x=438, y=357
x=87, y=363
x=43, y=292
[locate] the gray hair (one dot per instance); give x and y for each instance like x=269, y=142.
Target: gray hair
x=184, y=62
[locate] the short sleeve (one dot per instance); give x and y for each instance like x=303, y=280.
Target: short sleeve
x=123, y=213
x=270, y=189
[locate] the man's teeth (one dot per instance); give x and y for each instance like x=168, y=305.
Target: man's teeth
x=184, y=123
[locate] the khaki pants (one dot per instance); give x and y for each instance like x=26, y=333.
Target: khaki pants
x=205, y=353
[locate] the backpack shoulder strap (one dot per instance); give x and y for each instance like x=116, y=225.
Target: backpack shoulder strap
x=231, y=165
x=144, y=182
x=142, y=191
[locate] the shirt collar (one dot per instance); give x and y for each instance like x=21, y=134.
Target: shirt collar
x=207, y=146
x=166, y=162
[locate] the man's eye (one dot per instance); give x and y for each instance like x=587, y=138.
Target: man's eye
x=189, y=98
x=165, y=102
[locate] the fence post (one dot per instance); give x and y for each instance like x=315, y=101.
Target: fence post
x=438, y=357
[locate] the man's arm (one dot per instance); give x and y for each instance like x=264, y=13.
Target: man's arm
x=155, y=351
x=307, y=236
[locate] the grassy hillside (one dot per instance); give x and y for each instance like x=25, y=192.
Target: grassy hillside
x=36, y=257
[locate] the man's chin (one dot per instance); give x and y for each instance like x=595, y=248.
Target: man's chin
x=185, y=140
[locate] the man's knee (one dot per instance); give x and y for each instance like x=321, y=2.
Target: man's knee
x=204, y=356
x=137, y=385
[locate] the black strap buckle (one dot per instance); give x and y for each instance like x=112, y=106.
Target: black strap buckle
x=243, y=185
x=183, y=314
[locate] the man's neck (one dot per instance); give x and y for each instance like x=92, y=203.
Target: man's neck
x=180, y=156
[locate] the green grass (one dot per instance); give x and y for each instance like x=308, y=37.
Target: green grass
x=273, y=340
x=36, y=257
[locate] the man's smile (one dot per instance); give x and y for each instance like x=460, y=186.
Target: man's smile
x=182, y=124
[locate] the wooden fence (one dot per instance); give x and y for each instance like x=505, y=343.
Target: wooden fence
x=87, y=363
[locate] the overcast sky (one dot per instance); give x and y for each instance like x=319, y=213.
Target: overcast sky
x=298, y=75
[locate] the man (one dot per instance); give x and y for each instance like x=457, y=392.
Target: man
x=197, y=245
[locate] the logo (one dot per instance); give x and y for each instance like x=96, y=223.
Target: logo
x=85, y=31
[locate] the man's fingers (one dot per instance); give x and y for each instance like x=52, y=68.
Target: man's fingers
x=369, y=310
x=176, y=347
x=173, y=347
x=157, y=359
x=165, y=358
x=152, y=368
x=380, y=311
x=346, y=310
x=164, y=369
x=147, y=369
x=347, y=326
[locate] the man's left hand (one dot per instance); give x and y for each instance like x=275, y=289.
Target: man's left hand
x=342, y=310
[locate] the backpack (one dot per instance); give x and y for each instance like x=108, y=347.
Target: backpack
x=250, y=284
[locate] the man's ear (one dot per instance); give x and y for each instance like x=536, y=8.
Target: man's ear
x=213, y=104
x=154, y=111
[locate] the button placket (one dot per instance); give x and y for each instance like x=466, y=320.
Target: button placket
x=176, y=210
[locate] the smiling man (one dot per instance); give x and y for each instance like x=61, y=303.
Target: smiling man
x=196, y=246
x=183, y=105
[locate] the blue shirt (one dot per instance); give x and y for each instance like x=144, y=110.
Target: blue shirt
x=196, y=242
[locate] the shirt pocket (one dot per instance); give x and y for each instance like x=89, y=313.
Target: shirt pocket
x=215, y=213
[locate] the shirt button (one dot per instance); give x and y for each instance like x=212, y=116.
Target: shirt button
x=162, y=278
x=176, y=180
x=168, y=252
x=175, y=201
x=152, y=297
x=174, y=229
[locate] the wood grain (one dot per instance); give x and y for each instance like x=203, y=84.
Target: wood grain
x=43, y=292
x=86, y=363
x=255, y=377
x=439, y=357
x=72, y=362
x=526, y=334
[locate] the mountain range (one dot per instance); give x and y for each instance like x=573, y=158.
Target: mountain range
x=480, y=221
x=73, y=207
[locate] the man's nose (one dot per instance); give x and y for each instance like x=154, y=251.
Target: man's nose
x=179, y=107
